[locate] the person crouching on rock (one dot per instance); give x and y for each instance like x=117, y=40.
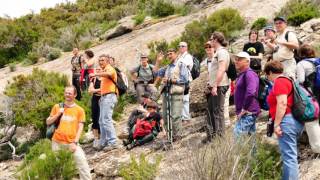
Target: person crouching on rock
x=146, y=129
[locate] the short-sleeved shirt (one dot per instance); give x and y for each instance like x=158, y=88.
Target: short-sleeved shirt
x=281, y=86
x=144, y=74
x=107, y=86
x=284, y=53
x=221, y=54
x=76, y=62
x=69, y=123
x=253, y=49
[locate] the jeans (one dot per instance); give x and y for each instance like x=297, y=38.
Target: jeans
x=291, y=129
x=79, y=158
x=186, y=109
x=246, y=125
x=107, y=131
x=216, y=122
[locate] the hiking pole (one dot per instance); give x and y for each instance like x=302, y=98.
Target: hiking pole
x=169, y=119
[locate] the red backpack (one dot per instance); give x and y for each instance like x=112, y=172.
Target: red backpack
x=143, y=128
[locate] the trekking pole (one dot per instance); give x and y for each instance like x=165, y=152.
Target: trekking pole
x=169, y=119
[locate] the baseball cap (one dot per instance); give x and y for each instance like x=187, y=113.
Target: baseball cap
x=143, y=55
x=280, y=18
x=269, y=27
x=243, y=55
x=184, y=44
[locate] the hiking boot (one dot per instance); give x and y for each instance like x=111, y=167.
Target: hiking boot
x=96, y=143
x=99, y=147
x=131, y=146
x=112, y=147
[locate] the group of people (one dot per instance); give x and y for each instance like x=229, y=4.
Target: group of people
x=273, y=57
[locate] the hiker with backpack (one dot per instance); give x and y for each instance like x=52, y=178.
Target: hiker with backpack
x=308, y=74
x=76, y=63
x=143, y=77
x=146, y=128
x=286, y=44
x=245, y=97
x=218, y=85
x=108, y=100
x=112, y=62
x=255, y=49
x=174, y=76
x=95, y=91
x=71, y=118
x=187, y=59
x=286, y=126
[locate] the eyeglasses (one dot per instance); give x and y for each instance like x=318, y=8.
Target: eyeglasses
x=207, y=47
x=182, y=46
x=151, y=107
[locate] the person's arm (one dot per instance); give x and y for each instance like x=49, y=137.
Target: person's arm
x=300, y=72
x=292, y=42
x=220, y=73
x=260, y=56
x=54, y=115
x=280, y=112
x=107, y=73
x=159, y=59
x=134, y=74
x=92, y=90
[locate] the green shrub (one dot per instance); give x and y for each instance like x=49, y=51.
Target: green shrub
x=260, y=23
x=162, y=9
x=85, y=44
x=33, y=57
x=121, y=104
x=42, y=163
x=12, y=67
x=34, y=95
x=183, y=10
x=139, y=18
x=142, y=170
x=53, y=53
x=299, y=11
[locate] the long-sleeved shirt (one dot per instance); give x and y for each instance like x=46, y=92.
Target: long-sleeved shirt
x=183, y=76
x=246, y=93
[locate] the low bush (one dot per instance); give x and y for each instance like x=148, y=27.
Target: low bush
x=260, y=23
x=121, y=104
x=162, y=9
x=139, y=18
x=33, y=57
x=53, y=53
x=142, y=170
x=300, y=11
x=42, y=163
x=12, y=67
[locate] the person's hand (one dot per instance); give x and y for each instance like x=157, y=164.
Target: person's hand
x=214, y=91
x=278, y=131
x=73, y=147
x=91, y=75
x=160, y=57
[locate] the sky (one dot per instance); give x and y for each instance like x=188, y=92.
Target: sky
x=17, y=8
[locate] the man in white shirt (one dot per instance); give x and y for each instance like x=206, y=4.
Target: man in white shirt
x=187, y=59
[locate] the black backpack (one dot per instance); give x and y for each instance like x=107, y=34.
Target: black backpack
x=295, y=51
x=195, y=71
x=265, y=86
x=122, y=88
x=231, y=71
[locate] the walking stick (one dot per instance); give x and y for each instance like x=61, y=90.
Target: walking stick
x=169, y=117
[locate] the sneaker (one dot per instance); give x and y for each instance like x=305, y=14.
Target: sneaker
x=131, y=146
x=99, y=147
x=96, y=143
x=126, y=142
x=112, y=147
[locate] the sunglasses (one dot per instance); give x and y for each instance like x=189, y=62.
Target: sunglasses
x=207, y=47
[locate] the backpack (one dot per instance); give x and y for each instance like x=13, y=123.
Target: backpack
x=316, y=74
x=151, y=69
x=305, y=107
x=231, y=71
x=195, y=71
x=52, y=127
x=295, y=51
x=120, y=84
x=143, y=128
x=265, y=86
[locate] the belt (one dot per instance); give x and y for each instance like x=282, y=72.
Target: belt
x=107, y=93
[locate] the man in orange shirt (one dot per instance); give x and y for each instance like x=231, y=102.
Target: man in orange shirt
x=68, y=133
x=109, y=91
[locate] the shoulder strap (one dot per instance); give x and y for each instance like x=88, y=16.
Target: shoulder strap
x=151, y=69
x=292, y=82
x=286, y=36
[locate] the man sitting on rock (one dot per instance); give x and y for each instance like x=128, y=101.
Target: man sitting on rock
x=147, y=128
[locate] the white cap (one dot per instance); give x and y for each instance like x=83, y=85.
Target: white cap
x=183, y=44
x=243, y=55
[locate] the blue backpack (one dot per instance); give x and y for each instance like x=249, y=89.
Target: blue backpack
x=265, y=86
x=316, y=62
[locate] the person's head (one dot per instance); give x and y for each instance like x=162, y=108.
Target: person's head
x=75, y=51
x=146, y=98
x=183, y=47
x=273, y=69
x=144, y=59
x=217, y=39
x=89, y=54
x=70, y=93
x=103, y=61
x=269, y=32
x=112, y=61
x=280, y=23
x=253, y=35
x=172, y=55
x=242, y=61
x=306, y=51
x=152, y=107
x=208, y=48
